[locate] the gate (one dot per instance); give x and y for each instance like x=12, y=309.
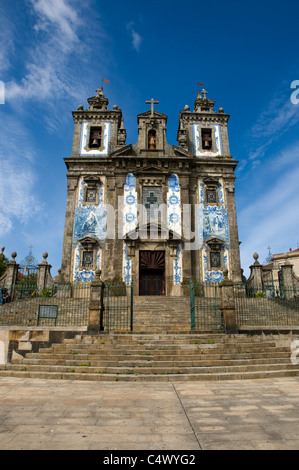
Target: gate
x=118, y=303
x=205, y=303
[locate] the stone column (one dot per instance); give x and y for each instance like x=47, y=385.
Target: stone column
x=68, y=228
x=114, y=247
x=287, y=279
x=233, y=229
x=11, y=275
x=44, y=278
x=228, y=309
x=186, y=264
x=96, y=305
x=256, y=273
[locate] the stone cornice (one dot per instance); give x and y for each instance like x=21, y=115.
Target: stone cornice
x=93, y=115
x=205, y=116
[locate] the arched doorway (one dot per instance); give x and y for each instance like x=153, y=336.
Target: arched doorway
x=151, y=272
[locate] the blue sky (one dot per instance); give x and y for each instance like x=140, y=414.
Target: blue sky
x=54, y=54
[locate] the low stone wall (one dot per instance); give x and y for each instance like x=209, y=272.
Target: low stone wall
x=16, y=342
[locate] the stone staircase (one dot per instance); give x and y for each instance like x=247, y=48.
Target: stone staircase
x=155, y=314
x=157, y=357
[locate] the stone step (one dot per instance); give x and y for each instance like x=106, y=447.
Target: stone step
x=152, y=370
x=152, y=377
x=154, y=357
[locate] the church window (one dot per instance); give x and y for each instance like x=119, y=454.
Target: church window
x=151, y=200
x=211, y=196
x=206, y=137
x=87, y=259
x=95, y=137
x=91, y=195
x=215, y=259
x=152, y=140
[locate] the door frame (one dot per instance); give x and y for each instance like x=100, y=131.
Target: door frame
x=154, y=269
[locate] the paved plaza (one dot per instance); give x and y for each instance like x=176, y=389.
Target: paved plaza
x=225, y=415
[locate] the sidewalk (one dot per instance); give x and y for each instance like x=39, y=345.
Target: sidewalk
x=229, y=415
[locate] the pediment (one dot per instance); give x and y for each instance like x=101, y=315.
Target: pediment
x=89, y=241
x=91, y=179
x=148, y=114
x=214, y=241
x=150, y=170
x=122, y=151
x=180, y=151
x=147, y=230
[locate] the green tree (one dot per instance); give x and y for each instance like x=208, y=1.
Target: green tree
x=3, y=262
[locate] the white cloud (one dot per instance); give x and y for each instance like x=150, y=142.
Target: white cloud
x=277, y=118
x=272, y=217
x=136, y=37
x=46, y=60
x=16, y=198
x=60, y=14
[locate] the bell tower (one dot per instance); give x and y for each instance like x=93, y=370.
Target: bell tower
x=98, y=132
x=204, y=131
x=152, y=133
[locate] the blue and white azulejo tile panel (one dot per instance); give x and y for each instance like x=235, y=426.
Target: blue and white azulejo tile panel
x=84, y=275
x=103, y=152
x=198, y=150
x=127, y=265
x=130, y=204
x=174, y=205
x=177, y=267
x=89, y=221
x=212, y=222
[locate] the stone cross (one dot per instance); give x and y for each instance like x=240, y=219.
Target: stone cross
x=152, y=102
x=204, y=92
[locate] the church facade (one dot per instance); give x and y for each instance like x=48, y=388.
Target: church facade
x=151, y=212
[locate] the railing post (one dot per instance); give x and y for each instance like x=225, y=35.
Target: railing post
x=192, y=305
x=96, y=305
x=11, y=275
x=132, y=305
x=228, y=309
x=44, y=278
x=287, y=280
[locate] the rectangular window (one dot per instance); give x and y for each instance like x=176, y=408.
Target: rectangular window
x=151, y=200
x=87, y=259
x=206, y=137
x=91, y=195
x=215, y=259
x=95, y=138
x=211, y=196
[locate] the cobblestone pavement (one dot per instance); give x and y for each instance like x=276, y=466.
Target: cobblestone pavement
x=230, y=415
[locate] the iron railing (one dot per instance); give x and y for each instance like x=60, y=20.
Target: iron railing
x=118, y=302
x=205, y=303
x=266, y=306
x=32, y=305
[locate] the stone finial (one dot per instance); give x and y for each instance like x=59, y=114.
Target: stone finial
x=80, y=107
x=2, y=249
x=14, y=255
x=187, y=107
x=221, y=110
x=256, y=257
x=45, y=255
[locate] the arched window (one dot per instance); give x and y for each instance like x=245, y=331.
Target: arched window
x=152, y=140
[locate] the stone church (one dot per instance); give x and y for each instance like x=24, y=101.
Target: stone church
x=151, y=212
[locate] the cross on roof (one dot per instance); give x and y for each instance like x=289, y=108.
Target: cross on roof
x=204, y=92
x=152, y=102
